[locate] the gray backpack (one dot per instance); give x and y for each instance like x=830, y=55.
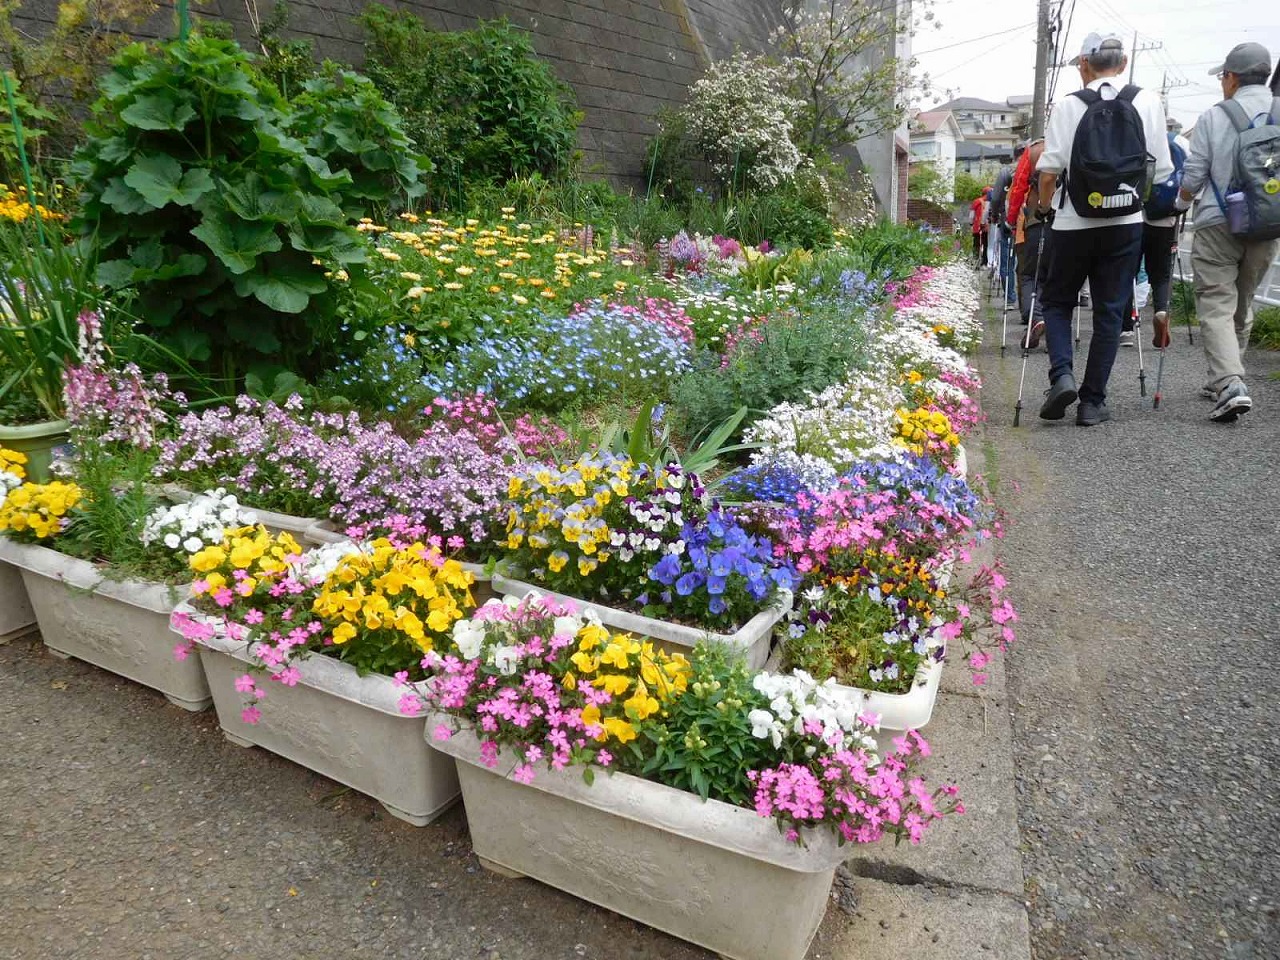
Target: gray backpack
x=1252, y=204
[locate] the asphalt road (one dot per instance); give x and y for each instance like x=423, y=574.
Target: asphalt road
x=1143, y=556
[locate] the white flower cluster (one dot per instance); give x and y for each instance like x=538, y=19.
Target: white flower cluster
x=740, y=115
x=822, y=436
x=200, y=522
x=315, y=565
x=8, y=481
x=951, y=299
x=800, y=706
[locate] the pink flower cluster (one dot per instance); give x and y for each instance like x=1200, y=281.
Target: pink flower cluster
x=527, y=710
x=912, y=292
x=852, y=520
x=964, y=413
x=107, y=404
x=452, y=477
x=859, y=798
x=477, y=414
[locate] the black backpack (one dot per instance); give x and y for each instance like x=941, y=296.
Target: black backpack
x=1109, y=158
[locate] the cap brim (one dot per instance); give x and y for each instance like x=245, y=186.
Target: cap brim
x=1218, y=71
x=1075, y=61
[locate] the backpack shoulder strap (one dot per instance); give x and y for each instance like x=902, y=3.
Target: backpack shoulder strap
x=1128, y=93
x=1275, y=112
x=1090, y=97
x=1239, y=118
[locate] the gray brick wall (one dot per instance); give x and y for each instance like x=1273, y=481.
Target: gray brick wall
x=625, y=59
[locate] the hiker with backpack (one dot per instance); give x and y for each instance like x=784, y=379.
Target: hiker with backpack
x=1003, y=233
x=1234, y=166
x=1024, y=195
x=977, y=215
x=1103, y=145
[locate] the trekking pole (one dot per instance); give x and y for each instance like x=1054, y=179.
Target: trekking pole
x=1026, y=340
x=1077, y=318
x=1004, y=317
x=1155, y=403
x=1182, y=281
x=1137, y=335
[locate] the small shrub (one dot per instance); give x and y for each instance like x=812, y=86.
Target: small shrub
x=1266, y=328
x=768, y=362
x=480, y=103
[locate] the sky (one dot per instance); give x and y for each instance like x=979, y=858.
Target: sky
x=987, y=48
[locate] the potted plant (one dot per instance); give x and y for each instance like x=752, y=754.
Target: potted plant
x=337, y=636
x=44, y=289
x=881, y=605
x=688, y=794
x=648, y=549
x=16, y=615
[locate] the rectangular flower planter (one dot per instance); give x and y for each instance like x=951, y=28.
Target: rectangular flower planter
x=707, y=872
x=119, y=625
x=339, y=724
x=16, y=615
x=322, y=532
x=898, y=712
x=753, y=639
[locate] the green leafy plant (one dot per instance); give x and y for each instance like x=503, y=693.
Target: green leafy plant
x=201, y=203
x=479, y=103
x=45, y=286
x=777, y=360
x=1266, y=328
x=647, y=441
x=342, y=118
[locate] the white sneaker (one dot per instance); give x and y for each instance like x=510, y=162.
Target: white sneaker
x=1233, y=402
x=1128, y=338
x=1208, y=392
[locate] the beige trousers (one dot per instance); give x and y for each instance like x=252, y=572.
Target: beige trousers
x=1227, y=273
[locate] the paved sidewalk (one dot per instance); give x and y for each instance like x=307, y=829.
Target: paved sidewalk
x=1142, y=556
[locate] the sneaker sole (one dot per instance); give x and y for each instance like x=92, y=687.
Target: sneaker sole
x=1232, y=410
x=1059, y=408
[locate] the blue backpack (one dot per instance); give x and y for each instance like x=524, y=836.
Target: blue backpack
x=1163, y=197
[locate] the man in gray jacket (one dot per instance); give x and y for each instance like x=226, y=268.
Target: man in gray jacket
x=1227, y=268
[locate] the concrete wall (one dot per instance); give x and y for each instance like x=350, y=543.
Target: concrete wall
x=625, y=59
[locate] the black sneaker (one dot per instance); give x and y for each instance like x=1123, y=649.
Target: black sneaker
x=1091, y=414
x=1058, y=397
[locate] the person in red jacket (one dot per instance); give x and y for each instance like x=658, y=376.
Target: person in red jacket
x=978, y=209
x=1023, y=200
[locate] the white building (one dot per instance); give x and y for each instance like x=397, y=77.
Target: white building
x=934, y=136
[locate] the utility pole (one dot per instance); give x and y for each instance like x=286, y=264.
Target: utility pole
x=1166, y=86
x=1043, y=43
x=1133, y=57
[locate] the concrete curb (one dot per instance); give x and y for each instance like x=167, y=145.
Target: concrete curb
x=960, y=894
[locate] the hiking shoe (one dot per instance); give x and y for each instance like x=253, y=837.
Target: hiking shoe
x=1060, y=395
x=1127, y=339
x=1160, y=331
x=1233, y=403
x=1092, y=414
x=1034, y=332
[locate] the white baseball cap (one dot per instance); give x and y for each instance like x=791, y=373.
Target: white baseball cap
x=1095, y=42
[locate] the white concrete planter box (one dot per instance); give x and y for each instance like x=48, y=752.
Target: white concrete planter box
x=16, y=615
x=119, y=625
x=323, y=532
x=708, y=872
x=339, y=724
x=898, y=712
x=275, y=522
x=753, y=639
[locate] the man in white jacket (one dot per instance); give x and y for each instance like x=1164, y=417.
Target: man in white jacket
x=1227, y=268
x=1102, y=242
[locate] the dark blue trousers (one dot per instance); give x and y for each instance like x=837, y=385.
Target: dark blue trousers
x=1106, y=256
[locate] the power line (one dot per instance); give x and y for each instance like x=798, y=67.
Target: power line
x=961, y=43
x=934, y=76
